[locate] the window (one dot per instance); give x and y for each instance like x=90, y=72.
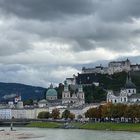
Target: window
x=115, y=101
x=125, y=99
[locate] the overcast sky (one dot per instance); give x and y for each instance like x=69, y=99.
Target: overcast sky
x=42, y=41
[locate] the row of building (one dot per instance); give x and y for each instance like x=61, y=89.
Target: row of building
x=32, y=113
x=113, y=67
x=22, y=113
x=75, y=102
x=75, y=99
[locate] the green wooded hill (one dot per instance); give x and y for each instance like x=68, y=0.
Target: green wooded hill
x=26, y=91
x=113, y=82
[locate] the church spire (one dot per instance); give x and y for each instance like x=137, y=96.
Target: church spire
x=129, y=84
x=80, y=89
x=51, y=85
x=66, y=88
x=128, y=79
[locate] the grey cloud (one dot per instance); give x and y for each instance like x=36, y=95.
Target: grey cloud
x=108, y=10
x=81, y=26
x=91, y=26
x=48, y=9
x=10, y=47
x=33, y=74
x=119, y=11
x=84, y=34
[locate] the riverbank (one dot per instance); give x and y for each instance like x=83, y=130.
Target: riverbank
x=110, y=126
x=45, y=124
x=89, y=126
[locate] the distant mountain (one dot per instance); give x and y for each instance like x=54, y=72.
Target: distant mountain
x=10, y=90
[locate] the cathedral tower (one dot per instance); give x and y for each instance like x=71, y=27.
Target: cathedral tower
x=81, y=94
x=66, y=94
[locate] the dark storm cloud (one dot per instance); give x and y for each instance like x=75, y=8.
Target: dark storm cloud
x=47, y=9
x=86, y=22
x=115, y=10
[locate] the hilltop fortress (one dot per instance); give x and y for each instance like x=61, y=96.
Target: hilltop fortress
x=113, y=67
x=89, y=76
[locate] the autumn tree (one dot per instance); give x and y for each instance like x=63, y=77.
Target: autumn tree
x=71, y=116
x=55, y=113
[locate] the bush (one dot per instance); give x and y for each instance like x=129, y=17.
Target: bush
x=44, y=115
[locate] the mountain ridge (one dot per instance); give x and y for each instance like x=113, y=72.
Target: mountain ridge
x=26, y=91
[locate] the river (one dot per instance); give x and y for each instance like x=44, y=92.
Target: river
x=65, y=134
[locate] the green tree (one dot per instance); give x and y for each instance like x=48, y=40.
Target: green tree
x=79, y=116
x=28, y=102
x=66, y=114
x=44, y=115
x=59, y=90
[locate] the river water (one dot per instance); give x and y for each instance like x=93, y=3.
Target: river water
x=65, y=134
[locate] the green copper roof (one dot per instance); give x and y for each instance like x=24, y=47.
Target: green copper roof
x=51, y=92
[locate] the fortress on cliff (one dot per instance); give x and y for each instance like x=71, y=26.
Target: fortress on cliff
x=113, y=67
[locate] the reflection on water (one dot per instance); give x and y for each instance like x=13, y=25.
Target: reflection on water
x=65, y=134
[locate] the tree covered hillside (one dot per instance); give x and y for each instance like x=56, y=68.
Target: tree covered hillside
x=109, y=82
x=9, y=90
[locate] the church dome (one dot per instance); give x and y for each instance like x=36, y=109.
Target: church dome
x=51, y=91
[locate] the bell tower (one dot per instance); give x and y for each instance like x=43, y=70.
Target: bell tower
x=66, y=94
x=81, y=94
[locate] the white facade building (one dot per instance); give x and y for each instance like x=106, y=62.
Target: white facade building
x=42, y=103
x=5, y=114
x=97, y=69
x=119, y=66
x=126, y=95
x=135, y=67
x=30, y=113
x=76, y=99
x=71, y=81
